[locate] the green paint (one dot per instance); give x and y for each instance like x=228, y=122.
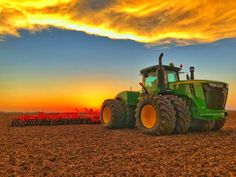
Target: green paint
x=196, y=98
x=129, y=97
x=191, y=91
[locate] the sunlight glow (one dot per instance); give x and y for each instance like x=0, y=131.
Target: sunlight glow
x=153, y=22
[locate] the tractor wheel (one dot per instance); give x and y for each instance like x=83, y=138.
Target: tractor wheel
x=130, y=116
x=113, y=114
x=155, y=115
x=201, y=125
x=183, y=119
x=219, y=124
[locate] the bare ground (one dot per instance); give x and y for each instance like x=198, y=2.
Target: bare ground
x=89, y=150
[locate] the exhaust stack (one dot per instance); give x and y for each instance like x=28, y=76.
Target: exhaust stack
x=161, y=76
x=192, y=72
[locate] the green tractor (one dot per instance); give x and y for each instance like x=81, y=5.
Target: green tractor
x=167, y=105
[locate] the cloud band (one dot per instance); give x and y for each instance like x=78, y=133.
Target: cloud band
x=153, y=22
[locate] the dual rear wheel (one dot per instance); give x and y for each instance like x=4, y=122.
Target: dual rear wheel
x=155, y=115
x=116, y=114
x=162, y=115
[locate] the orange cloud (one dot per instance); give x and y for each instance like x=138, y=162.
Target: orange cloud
x=152, y=22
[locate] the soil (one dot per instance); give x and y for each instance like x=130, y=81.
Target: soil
x=90, y=150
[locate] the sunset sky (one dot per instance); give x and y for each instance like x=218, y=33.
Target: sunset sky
x=58, y=55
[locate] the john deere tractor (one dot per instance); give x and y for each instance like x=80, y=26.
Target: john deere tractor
x=167, y=105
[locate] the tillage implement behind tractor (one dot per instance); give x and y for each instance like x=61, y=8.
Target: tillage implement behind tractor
x=167, y=105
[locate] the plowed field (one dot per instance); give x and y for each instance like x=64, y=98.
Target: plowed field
x=90, y=150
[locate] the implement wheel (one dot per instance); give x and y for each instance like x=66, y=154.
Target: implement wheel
x=113, y=114
x=219, y=124
x=183, y=119
x=155, y=115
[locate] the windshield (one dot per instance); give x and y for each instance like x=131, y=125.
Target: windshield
x=150, y=81
x=171, y=76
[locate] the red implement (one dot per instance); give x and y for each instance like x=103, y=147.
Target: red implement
x=42, y=118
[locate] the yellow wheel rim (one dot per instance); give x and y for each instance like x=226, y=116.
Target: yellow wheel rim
x=106, y=115
x=149, y=116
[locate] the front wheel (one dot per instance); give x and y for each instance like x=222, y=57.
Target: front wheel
x=219, y=124
x=155, y=115
x=202, y=125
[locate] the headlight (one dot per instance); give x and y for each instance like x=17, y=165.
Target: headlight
x=216, y=85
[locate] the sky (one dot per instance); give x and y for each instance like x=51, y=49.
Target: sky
x=67, y=54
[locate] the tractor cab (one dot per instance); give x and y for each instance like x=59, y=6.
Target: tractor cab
x=150, y=76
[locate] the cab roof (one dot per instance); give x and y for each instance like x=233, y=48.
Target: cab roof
x=154, y=68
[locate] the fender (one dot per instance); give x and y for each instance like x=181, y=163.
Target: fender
x=129, y=97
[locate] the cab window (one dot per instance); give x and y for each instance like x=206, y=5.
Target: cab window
x=150, y=81
x=171, y=76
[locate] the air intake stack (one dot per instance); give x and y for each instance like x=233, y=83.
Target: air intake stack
x=161, y=76
x=192, y=72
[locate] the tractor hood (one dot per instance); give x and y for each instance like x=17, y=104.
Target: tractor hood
x=202, y=81
x=205, y=93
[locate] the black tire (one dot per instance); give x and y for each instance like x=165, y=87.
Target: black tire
x=219, y=124
x=202, y=125
x=130, y=116
x=113, y=114
x=164, y=112
x=183, y=119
